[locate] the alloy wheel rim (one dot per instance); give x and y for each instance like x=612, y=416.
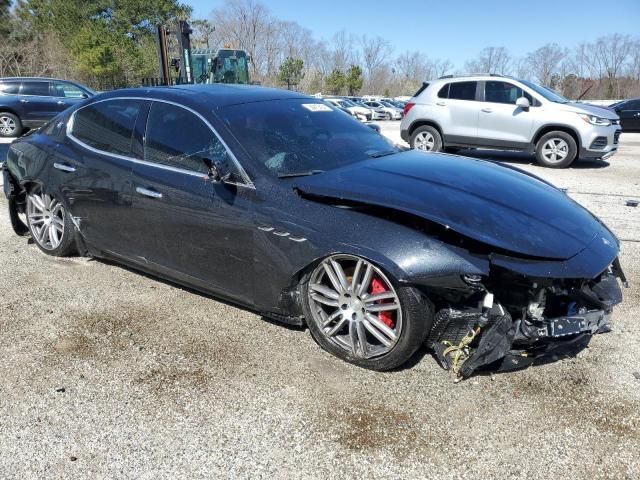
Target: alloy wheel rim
x=46, y=219
x=7, y=125
x=355, y=306
x=425, y=141
x=555, y=150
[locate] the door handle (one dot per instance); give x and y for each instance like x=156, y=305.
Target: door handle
x=441, y=104
x=22, y=100
x=60, y=102
x=487, y=110
x=64, y=167
x=148, y=193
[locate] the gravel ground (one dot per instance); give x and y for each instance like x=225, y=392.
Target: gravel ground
x=107, y=373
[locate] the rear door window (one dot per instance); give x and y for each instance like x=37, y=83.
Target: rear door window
x=504, y=92
x=178, y=138
x=107, y=126
x=463, y=90
x=9, y=88
x=35, y=88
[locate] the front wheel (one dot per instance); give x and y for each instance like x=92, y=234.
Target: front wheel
x=426, y=138
x=50, y=224
x=355, y=312
x=556, y=150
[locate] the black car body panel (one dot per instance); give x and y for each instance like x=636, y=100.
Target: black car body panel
x=481, y=200
x=629, y=113
x=437, y=222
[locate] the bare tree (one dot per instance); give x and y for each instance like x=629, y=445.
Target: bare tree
x=375, y=53
x=545, y=61
x=612, y=52
x=490, y=60
x=202, y=33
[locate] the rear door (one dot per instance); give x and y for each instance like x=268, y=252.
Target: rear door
x=629, y=113
x=93, y=168
x=37, y=103
x=501, y=123
x=189, y=226
x=457, y=111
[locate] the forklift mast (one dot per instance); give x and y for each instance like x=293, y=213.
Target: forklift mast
x=183, y=64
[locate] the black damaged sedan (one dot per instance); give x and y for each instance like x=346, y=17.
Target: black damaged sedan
x=284, y=205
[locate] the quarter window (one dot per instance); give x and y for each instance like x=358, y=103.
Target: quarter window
x=36, y=88
x=463, y=90
x=177, y=138
x=9, y=88
x=444, y=91
x=503, y=92
x=108, y=125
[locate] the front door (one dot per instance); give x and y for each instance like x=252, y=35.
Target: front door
x=501, y=122
x=66, y=95
x=189, y=226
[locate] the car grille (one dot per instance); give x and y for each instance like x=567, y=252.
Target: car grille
x=616, y=136
x=599, y=142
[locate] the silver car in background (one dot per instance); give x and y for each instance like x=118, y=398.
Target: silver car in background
x=497, y=112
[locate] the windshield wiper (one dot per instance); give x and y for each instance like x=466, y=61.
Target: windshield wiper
x=383, y=154
x=300, y=174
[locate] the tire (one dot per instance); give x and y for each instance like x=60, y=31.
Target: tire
x=410, y=323
x=50, y=224
x=556, y=149
x=389, y=117
x=426, y=138
x=10, y=125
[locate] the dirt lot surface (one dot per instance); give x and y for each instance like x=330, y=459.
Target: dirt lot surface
x=106, y=373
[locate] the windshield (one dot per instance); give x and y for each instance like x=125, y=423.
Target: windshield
x=545, y=92
x=302, y=136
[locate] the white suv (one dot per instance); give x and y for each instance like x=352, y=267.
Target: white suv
x=496, y=112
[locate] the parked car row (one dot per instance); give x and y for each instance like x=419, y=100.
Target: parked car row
x=28, y=102
x=367, y=110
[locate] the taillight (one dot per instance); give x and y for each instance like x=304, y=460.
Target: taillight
x=407, y=107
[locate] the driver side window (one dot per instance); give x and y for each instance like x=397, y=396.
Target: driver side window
x=177, y=138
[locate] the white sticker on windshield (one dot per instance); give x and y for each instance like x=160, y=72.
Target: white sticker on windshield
x=317, y=107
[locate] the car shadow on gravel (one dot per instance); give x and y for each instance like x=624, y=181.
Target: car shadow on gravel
x=523, y=158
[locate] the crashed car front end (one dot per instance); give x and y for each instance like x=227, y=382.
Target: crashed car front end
x=508, y=320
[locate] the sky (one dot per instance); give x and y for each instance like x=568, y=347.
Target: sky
x=456, y=29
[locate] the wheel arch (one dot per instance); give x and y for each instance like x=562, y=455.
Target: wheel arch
x=556, y=127
x=421, y=123
x=5, y=109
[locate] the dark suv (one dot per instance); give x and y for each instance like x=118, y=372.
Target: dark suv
x=30, y=102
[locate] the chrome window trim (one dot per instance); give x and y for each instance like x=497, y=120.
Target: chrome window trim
x=247, y=182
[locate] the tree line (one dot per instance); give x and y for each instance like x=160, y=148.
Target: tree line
x=110, y=43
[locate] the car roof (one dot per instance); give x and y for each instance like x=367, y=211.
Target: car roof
x=218, y=94
x=46, y=79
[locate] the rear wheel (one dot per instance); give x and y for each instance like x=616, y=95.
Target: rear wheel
x=426, y=138
x=556, y=150
x=10, y=125
x=50, y=224
x=355, y=312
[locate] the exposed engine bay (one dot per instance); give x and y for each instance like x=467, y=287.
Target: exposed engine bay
x=509, y=321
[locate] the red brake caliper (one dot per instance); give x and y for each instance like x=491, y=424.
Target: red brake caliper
x=378, y=287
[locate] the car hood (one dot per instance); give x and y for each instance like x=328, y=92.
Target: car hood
x=587, y=108
x=497, y=205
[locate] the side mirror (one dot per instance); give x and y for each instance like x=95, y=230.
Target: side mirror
x=523, y=103
x=84, y=95
x=218, y=171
